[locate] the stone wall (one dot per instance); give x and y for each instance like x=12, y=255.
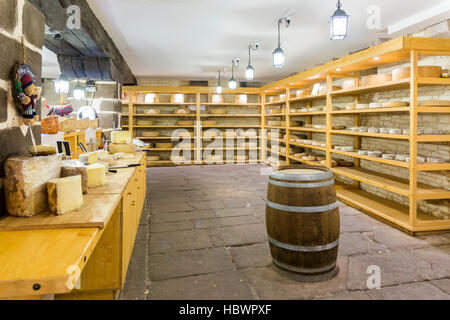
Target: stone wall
x=17, y=18
x=106, y=101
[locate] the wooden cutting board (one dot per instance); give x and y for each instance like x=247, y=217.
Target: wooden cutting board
x=95, y=213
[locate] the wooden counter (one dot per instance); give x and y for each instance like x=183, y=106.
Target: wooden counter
x=89, y=249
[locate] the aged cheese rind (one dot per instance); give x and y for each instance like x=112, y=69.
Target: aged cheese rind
x=125, y=148
x=65, y=195
x=121, y=137
x=96, y=175
x=72, y=168
x=25, y=183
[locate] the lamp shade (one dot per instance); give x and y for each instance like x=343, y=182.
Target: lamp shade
x=249, y=73
x=78, y=92
x=278, y=58
x=232, y=84
x=62, y=84
x=219, y=89
x=339, y=25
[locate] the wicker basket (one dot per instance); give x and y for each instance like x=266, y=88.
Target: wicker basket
x=50, y=125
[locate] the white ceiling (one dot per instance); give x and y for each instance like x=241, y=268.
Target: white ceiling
x=192, y=39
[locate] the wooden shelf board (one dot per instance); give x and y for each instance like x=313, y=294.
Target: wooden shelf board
x=442, y=109
x=433, y=167
x=371, y=135
x=275, y=115
x=155, y=138
x=209, y=104
x=308, y=98
x=391, y=211
x=160, y=104
x=277, y=140
x=306, y=114
x=232, y=115
x=380, y=160
x=312, y=163
x=164, y=115
x=377, y=110
x=434, y=138
x=274, y=152
x=233, y=148
x=275, y=127
x=307, y=146
x=159, y=126
x=387, y=86
x=233, y=126
x=390, y=183
x=225, y=138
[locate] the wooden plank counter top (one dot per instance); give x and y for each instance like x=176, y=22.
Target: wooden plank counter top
x=46, y=254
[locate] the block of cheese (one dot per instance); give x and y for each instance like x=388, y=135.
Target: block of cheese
x=83, y=124
x=93, y=124
x=67, y=125
x=25, y=183
x=42, y=150
x=121, y=137
x=65, y=195
x=96, y=175
x=72, y=168
x=125, y=148
x=88, y=158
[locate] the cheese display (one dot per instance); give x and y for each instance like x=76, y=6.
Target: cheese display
x=96, y=175
x=125, y=148
x=144, y=122
x=422, y=72
x=42, y=150
x=70, y=168
x=88, y=158
x=25, y=183
x=94, y=124
x=376, y=79
x=67, y=125
x=147, y=134
x=65, y=195
x=121, y=137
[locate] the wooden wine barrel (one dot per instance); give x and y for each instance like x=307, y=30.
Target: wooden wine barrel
x=303, y=223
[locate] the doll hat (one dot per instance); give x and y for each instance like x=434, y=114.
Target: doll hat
x=27, y=81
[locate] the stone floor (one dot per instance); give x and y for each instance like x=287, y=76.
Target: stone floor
x=202, y=236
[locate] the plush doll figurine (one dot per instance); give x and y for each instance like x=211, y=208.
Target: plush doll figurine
x=26, y=93
x=30, y=94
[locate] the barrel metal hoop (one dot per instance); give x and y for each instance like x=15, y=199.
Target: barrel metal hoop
x=302, y=185
x=281, y=207
x=305, y=177
x=303, y=270
x=292, y=247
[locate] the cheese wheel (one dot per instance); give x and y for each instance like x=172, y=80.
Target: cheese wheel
x=150, y=133
x=153, y=111
x=65, y=195
x=209, y=123
x=182, y=111
x=121, y=137
x=351, y=84
x=122, y=148
x=274, y=111
x=144, y=122
x=153, y=158
x=274, y=123
x=423, y=72
x=83, y=124
x=376, y=79
x=218, y=111
x=177, y=98
x=165, y=145
x=42, y=150
x=217, y=98
x=398, y=104
x=185, y=123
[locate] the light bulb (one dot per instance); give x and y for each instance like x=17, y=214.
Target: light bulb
x=278, y=58
x=250, y=73
x=232, y=84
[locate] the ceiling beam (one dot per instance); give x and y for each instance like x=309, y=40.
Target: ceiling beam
x=90, y=41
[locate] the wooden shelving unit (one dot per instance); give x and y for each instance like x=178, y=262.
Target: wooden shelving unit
x=405, y=50
x=201, y=109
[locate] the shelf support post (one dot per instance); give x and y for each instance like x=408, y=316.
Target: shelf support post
x=329, y=124
x=413, y=142
x=288, y=126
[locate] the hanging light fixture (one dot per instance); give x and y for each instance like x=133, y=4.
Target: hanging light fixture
x=278, y=54
x=339, y=23
x=233, y=84
x=219, y=86
x=62, y=84
x=250, y=71
x=79, y=92
x=90, y=86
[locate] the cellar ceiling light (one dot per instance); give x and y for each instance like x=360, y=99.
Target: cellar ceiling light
x=219, y=86
x=339, y=24
x=250, y=71
x=278, y=54
x=233, y=84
